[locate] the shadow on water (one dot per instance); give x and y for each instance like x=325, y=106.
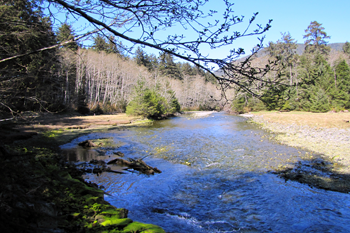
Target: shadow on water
x=227, y=185
x=318, y=173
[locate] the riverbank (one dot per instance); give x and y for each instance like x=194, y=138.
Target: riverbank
x=197, y=114
x=325, y=134
x=43, y=193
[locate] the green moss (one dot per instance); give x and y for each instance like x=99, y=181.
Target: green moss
x=116, y=212
x=115, y=221
x=40, y=171
x=142, y=228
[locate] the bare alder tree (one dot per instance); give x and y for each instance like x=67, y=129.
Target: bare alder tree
x=143, y=22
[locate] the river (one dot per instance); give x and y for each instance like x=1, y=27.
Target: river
x=215, y=178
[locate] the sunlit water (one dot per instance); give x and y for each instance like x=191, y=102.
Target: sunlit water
x=226, y=188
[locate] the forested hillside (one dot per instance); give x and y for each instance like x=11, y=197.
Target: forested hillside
x=42, y=69
x=316, y=79
x=96, y=79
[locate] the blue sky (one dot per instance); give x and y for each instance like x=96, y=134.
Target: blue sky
x=294, y=17
x=288, y=16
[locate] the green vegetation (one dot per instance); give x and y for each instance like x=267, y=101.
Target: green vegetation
x=306, y=82
x=41, y=192
x=152, y=102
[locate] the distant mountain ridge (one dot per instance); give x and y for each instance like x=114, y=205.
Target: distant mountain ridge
x=301, y=47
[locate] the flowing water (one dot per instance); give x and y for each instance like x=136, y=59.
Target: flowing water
x=215, y=178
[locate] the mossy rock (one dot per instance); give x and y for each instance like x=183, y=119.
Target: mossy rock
x=115, y=221
x=142, y=228
x=120, y=213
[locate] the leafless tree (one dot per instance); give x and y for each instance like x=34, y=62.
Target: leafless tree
x=150, y=18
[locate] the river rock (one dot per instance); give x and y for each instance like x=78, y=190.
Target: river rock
x=87, y=143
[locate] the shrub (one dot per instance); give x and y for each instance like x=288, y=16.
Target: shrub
x=148, y=102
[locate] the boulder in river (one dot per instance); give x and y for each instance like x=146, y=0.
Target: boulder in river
x=87, y=143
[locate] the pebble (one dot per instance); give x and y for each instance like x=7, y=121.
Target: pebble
x=329, y=142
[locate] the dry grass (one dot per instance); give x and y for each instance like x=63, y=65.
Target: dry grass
x=318, y=120
x=83, y=121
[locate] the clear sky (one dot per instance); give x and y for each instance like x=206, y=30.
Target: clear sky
x=294, y=17
x=288, y=16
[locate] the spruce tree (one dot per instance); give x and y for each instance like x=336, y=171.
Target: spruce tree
x=340, y=91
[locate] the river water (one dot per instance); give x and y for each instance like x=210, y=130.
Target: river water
x=215, y=178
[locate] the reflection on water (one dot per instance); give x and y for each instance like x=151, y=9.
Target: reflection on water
x=226, y=188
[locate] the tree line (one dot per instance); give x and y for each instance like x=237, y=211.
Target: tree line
x=37, y=73
x=318, y=80
x=98, y=79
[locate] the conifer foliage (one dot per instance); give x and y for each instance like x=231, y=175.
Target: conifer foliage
x=26, y=80
x=307, y=82
x=151, y=102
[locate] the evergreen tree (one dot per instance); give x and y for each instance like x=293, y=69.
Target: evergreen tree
x=150, y=103
x=285, y=52
x=108, y=46
x=168, y=67
x=65, y=33
x=346, y=48
x=26, y=82
x=277, y=95
x=187, y=69
x=340, y=91
x=316, y=81
x=316, y=38
x=142, y=58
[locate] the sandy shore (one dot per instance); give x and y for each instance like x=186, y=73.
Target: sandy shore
x=332, y=143
x=200, y=113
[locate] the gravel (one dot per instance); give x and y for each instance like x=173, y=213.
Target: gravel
x=332, y=143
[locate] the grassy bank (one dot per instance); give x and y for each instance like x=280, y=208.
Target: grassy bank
x=327, y=135
x=42, y=193
x=316, y=120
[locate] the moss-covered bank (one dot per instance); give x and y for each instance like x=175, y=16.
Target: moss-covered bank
x=40, y=192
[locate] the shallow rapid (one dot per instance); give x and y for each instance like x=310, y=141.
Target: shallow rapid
x=215, y=178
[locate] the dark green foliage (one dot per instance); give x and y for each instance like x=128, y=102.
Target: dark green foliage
x=108, y=46
x=65, y=33
x=316, y=78
x=274, y=97
x=28, y=82
x=319, y=101
x=168, y=67
x=340, y=88
x=346, y=49
x=187, y=69
x=143, y=59
x=246, y=103
x=150, y=103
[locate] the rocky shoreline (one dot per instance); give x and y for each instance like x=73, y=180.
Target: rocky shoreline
x=331, y=170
